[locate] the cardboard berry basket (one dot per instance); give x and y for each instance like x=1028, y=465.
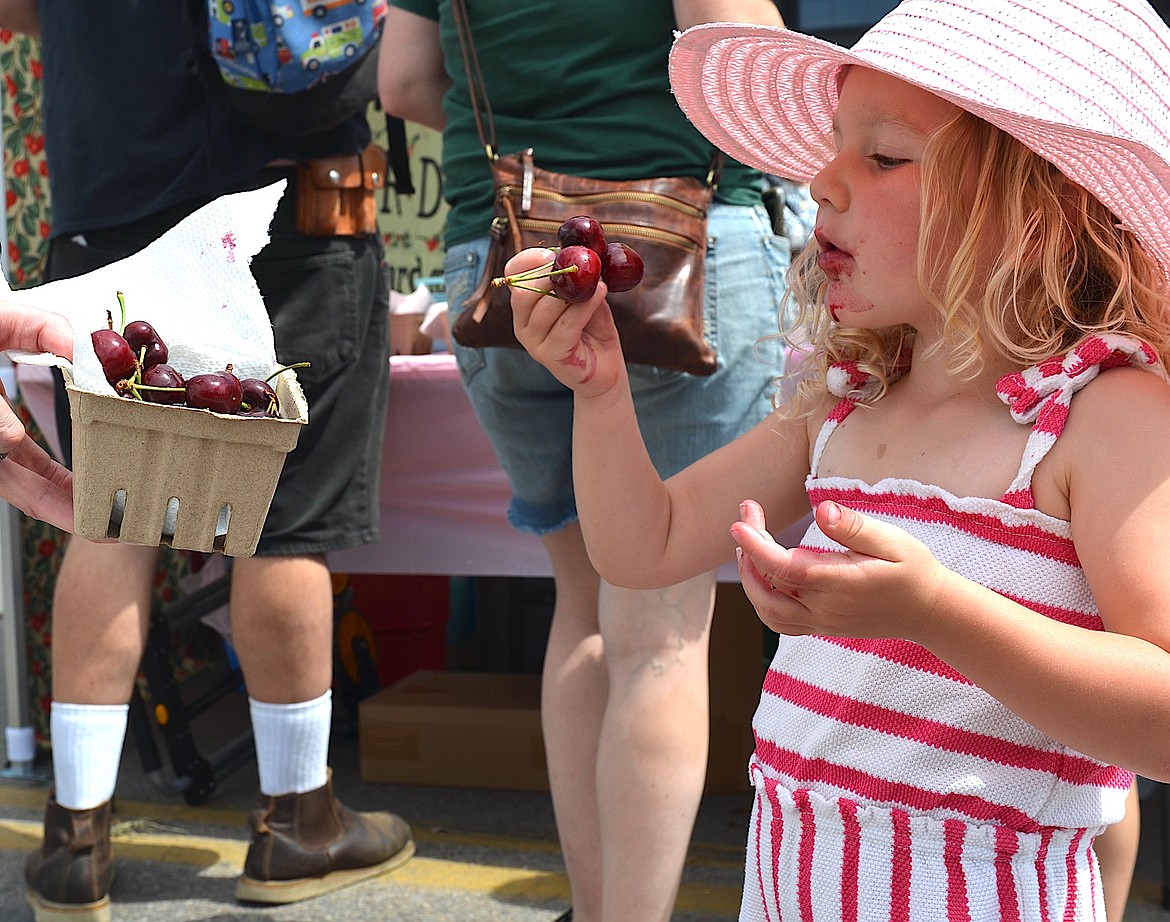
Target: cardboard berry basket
x=133, y=460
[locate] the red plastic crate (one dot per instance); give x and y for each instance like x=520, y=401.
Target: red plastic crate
x=407, y=617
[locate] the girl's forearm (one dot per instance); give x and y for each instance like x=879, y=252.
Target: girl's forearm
x=1104, y=694
x=623, y=505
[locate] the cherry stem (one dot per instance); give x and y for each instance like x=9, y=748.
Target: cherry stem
x=541, y=272
x=122, y=306
x=155, y=387
x=109, y=320
x=128, y=387
x=286, y=368
x=137, y=387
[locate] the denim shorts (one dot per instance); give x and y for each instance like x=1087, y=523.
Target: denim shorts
x=327, y=298
x=528, y=415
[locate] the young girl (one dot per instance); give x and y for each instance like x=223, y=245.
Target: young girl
x=974, y=631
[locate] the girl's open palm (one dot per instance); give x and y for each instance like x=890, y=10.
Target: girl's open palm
x=884, y=585
x=576, y=341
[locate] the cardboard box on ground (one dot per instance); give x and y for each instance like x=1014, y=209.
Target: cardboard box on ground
x=421, y=730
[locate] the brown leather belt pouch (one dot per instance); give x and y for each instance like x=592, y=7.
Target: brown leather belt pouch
x=336, y=195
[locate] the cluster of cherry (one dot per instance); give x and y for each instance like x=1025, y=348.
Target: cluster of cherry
x=584, y=259
x=135, y=363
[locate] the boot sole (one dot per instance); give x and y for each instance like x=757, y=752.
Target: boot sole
x=48, y=911
x=250, y=890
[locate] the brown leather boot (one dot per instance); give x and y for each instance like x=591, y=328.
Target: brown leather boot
x=304, y=845
x=69, y=877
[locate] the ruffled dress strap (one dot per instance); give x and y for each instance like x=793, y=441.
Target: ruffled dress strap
x=1041, y=395
x=853, y=386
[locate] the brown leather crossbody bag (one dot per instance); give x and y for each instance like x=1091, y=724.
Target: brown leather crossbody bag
x=661, y=321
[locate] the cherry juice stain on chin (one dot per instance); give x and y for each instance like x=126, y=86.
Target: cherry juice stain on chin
x=845, y=301
x=837, y=265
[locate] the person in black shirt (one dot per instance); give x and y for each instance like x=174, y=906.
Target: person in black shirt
x=139, y=135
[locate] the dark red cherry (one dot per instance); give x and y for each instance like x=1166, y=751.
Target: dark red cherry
x=259, y=397
x=142, y=336
x=580, y=284
x=218, y=391
x=621, y=267
x=163, y=375
x=582, y=230
x=114, y=353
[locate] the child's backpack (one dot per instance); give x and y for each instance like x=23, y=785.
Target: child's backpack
x=299, y=66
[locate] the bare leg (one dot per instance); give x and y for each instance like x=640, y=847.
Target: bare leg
x=573, y=696
x=282, y=626
x=101, y=609
x=626, y=726
x=652, y=758
x=1117, y=849
x=282, y=623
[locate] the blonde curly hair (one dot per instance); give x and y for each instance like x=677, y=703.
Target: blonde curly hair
x=1064, y=269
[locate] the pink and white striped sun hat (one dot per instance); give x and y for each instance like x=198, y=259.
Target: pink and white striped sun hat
x=1084, y=83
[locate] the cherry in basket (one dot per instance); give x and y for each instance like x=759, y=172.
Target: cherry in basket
x=134, y=361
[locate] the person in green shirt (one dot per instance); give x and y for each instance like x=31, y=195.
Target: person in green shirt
x=625, y=694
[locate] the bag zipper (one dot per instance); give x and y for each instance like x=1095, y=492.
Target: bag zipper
x=593, y=198
x=548, y=229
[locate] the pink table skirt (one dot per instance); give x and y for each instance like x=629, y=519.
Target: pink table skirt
x=444, y=497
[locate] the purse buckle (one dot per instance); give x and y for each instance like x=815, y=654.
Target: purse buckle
x=526, y=182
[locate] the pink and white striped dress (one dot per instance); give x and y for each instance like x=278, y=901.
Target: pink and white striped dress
x=888, y=787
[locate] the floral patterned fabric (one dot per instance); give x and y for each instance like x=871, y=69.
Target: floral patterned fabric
x=26, y=208
x=26, y=174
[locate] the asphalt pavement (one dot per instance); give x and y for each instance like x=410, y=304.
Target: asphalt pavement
x=483, y=855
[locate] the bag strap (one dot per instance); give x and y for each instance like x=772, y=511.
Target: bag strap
x=478, y=94
x=715, y=170
x=475, y=87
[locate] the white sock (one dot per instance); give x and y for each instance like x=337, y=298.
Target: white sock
x=87, y=748
x=292, y=744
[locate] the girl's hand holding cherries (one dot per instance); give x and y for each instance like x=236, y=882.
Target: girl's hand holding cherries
x=558, y=303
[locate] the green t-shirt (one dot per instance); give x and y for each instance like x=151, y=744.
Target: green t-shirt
x=584, y=85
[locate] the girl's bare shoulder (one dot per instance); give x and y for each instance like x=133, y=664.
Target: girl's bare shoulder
x=1117, y=432
x=1124, y=404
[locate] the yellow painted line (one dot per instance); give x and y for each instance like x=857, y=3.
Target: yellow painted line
x=419, y=873
x=34, y=799
x=134, y=842
x=203, y=852
x=708, y=855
